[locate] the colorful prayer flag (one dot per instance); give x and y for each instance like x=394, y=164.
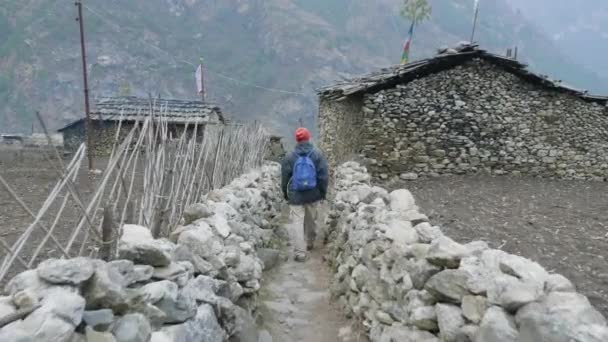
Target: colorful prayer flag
x=406, y=49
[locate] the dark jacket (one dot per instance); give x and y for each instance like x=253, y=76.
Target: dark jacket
x=310, y=196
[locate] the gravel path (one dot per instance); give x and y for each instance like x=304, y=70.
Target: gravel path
x=296, y=303
x=560, y=224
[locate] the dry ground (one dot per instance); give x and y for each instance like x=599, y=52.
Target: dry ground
x=32, y=177
x=560, y=224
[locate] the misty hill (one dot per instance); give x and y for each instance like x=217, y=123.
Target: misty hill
x=264, y=57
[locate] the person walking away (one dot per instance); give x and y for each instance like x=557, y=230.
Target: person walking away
x=304, y=181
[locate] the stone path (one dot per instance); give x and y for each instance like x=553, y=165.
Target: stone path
x=296, y=303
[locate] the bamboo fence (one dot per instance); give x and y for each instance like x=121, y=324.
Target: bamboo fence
x=149, y=179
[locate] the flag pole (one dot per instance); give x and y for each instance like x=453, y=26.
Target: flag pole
x=202, y=80
x=475, y=20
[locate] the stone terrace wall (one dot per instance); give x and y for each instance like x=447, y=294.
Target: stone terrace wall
x=408, y=282
x=201, y=287
x=478, y=117
x=340, y=128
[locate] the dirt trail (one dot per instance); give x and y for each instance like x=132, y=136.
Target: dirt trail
x=296, y=303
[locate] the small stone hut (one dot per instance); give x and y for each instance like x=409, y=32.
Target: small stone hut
x=108, y=113
x=464, y=111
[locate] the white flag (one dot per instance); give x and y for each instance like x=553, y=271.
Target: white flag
x=199, y=79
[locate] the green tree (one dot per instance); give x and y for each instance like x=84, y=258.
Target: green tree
x=416, y=11
x=125, y=89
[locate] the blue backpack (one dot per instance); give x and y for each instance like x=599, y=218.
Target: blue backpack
x=304, y=174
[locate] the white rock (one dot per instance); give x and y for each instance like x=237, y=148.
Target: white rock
x=201, y=241
x=402, y=200
x=449, y=320
x=497, y=325
x=448, y=285
x=56, y=319
x=524, y=269
x=427, y=233
x=132, y=328
x=66, y=271
x=445, y=252
x=219, y=223
x=512, y=293
x=136, y=244
x=474, y=308
x=401, y=232
x=561, y=317
x=557, y=282
x=424, y=318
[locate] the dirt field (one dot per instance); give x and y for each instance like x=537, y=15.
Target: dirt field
x=32, y=177
x=560, y=224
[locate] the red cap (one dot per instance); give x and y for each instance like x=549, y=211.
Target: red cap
x=302, y=134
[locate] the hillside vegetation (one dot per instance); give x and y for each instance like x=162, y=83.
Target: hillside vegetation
x=264, y=57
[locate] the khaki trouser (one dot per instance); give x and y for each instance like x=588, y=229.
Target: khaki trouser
x=310, y=223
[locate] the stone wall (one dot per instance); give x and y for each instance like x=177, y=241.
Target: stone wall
x=479, y=117
x=200, y=285
x=104, y=135
x=408, y=282
x=340, y=128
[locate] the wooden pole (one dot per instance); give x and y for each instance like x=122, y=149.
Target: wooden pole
x=107, y=224
x=475, y=21
x=88, y=127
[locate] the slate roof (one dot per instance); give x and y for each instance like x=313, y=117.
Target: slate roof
x=446, y=59
x=135, y=109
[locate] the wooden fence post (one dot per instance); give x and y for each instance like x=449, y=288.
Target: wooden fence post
x=106, y=233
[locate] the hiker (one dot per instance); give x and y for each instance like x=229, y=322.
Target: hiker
x=304, y=179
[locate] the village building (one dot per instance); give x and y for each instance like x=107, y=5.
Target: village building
x=464, y=111
x=109, y=114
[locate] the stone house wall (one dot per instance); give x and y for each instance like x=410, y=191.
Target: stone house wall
x=340, y=128
x=478, y=117
x=104, y=135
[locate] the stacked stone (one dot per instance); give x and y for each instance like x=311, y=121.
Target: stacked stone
x=478, y=117
x=408, y=282
x=200, y=287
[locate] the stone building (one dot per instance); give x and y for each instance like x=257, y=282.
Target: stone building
x=464, y=111
x=108, y=113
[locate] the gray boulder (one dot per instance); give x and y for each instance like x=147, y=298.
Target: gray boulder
x=474, y=308
x=445, y=252
x=424, y=318
x=105, y=289
x=95, y=336
x=132, y=273
x=57, y=318
x=98, y=319
x=558, y=283
x=138, y=245
x=179, y=272
x=195, y=212
x=270, y=257
x=449, y=285
x=512, y=293
x=449, y=320
x=427, y=233
x=561, y=317
x=132, y=328
x=177, y=309
x=66, y=271
x=6, y=306
x=523, y=269
x=247, y=269
x=497, y=325
x=203, y=327
x=201, y=241
x=402, y=200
